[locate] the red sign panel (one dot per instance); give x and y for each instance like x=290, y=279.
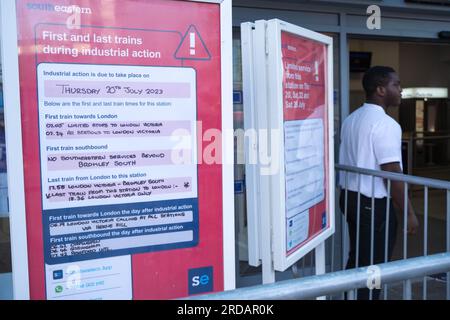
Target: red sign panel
x=305, y=100
x=115, y=99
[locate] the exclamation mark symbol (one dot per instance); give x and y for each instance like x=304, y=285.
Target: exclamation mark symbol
x=192, y=43
x=316, y=74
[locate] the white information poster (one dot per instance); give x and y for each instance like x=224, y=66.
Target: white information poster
x=96, y=149
x=304, y=158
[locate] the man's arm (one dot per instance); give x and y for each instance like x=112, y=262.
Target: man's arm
x=398, y=194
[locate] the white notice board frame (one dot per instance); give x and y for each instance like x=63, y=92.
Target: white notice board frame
x=226, y=36
x=251, y=155
x=275, y=28
x=16, y=188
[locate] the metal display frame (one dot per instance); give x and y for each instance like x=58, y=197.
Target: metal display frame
x=263, y=107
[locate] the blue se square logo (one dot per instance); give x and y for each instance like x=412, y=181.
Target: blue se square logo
x=200, y=280
x=58, y=274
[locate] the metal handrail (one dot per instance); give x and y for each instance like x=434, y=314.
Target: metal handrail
x=427, y=183
x=338, y=282
x=426, y=138
x=433, y=183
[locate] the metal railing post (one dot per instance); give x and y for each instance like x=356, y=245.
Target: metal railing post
x=407, y=283
x=345, y=251
x=358, y=215
x=345, y=246
x=332, y=251
x=386, y=238
x=425, y=235
x=448, y=240
x=372, y=228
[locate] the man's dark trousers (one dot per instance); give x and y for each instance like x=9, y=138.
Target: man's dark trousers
x=365, y=233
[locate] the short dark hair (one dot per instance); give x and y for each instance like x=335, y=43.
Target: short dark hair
x=375, y=77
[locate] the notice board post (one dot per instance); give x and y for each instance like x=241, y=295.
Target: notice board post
x=296, y=193
x=124, y=121
x=249, y=83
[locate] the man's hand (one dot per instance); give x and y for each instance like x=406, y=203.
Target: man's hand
x=412, y=224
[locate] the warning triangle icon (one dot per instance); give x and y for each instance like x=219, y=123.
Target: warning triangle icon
x=192, y=46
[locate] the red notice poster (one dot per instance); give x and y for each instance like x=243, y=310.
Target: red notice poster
x=305, y=101
x=116, y=96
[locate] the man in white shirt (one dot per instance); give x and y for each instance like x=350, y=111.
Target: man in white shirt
x=371, y=139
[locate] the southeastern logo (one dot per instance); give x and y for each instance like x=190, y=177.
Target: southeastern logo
x=200, y=280
x=58, y=8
